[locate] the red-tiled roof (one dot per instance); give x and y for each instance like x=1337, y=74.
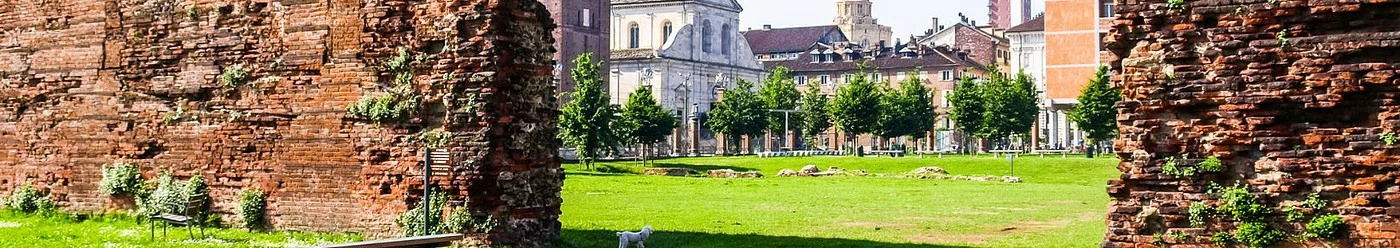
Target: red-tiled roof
x=931, y=60
x=1037, y=24
x=787, y=40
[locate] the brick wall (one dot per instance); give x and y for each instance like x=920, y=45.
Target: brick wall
x=1289, y=120
x=86, y=83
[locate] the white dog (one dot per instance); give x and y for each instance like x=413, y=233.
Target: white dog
x=624, y=238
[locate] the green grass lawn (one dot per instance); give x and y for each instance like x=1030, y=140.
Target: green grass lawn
x=27, y=230
x=1061, y=204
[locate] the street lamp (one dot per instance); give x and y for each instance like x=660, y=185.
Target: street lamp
x=787, y=131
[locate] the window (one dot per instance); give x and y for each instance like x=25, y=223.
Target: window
x=946, y=93
x=706, y=36
x=899, y=76
x=585, y=18
x=947, y=75
x=825, y=79
x=634, y=34
x=801, y=80
x=1103, y=46
x=875, y=76
x=724, y=37
x=846, y=78
x=923, y=75
x=1106, y=8
x=666, y=29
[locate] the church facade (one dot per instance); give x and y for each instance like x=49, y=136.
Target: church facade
x=685, y=50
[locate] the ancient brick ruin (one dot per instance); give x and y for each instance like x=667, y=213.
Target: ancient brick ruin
x=86, y=83
x=1295, y=97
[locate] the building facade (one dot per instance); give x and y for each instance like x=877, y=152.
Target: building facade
x=831, y=65
x=685, y=50
x=582, y=27
x=770, y=44
x=855, y=20
x=1074, y=32
x=982, y=45
x=1053, y=130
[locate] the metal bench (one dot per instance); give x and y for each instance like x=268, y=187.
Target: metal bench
x=997, y=153
x=892, y=153
x=188, y=213
x=439, y=240
x=1063, y=153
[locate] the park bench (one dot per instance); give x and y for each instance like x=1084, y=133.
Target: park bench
x=1063, y=153
x=439, y=240
x=997, y=153
x=188, y=213
x=891, y=153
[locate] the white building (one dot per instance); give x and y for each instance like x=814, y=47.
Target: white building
x=1054, y=130
x=679, y=46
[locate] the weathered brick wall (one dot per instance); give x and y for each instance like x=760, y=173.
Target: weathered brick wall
x=1290, y=115
x=85, y=83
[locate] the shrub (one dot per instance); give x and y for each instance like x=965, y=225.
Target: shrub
x=168, y=191
x=120, y=179
x=412, y=220
x=1171, y=168
x=1257, y=235
x=462, y=221
x=1212, y=164
x=1242, y=205
x=434, y=139
x=1326, y=226
x=1293, y=214
x=252, y=206
x=1176, y=4
x=1315, y=202
x=233, y=76
x=29, y=200
x=1222, y=239
x=1389, y=138
x=1198, y=213
x=383, y=108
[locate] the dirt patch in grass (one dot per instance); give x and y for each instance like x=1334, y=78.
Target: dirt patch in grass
x=1026, y=227
x=877, y=224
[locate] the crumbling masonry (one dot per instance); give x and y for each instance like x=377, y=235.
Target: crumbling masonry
x=1295, y=97
x=88, y=82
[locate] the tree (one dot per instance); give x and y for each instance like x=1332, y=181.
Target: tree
x=856, y=108
x=1096, y=114
x=1011, y=105
x=739, y=113
x=647, y=123
x=968, y=110
x=587, y=122
x=815, y=119
x=907, y=111
x=779, y=92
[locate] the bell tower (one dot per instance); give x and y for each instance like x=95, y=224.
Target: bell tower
x=853, y=18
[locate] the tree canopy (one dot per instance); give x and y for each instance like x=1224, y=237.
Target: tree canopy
x=1096, y=114
x=1011, y=105
x=968, y=108
x=779, y=91
x=906, y=111
x=587, y=122
x=646, y=122
x=856, y=108
x=815, y=119
x=740, y=112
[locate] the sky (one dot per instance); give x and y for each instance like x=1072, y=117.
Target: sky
x=906, y=17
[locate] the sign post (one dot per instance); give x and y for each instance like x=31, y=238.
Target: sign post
x=1011, y=160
